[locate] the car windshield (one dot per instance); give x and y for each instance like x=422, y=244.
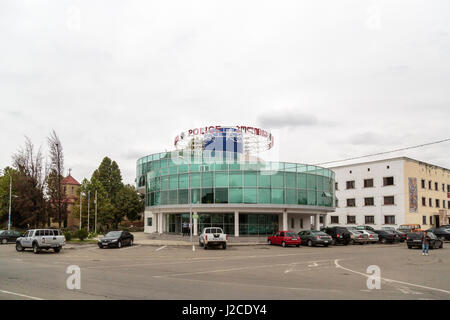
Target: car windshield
x=113, y=234
x=319, y=233
x=291, y=234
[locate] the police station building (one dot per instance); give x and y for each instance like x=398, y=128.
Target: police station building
x=216, y=176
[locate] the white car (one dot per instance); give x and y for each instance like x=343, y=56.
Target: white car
x=373, y=237
x=39, y=239
x=213, y=236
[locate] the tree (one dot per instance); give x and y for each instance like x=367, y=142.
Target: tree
x=29, y=206
x=54, y=187
x=129, y=202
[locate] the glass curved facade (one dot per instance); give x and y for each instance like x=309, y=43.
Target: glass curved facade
x=172, y=178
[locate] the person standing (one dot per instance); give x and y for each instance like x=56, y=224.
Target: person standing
x=425, y=243
x=185, y=226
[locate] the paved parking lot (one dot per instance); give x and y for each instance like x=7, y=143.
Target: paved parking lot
x=246, y=272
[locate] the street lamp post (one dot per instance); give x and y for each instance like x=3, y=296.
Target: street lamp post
x=10, y=200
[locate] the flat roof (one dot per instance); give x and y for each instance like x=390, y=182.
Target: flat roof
x=390, y=159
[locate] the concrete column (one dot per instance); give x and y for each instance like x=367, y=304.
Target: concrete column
x=236, y=224
x=285, y=220
x=317, y=222
x=195, y=230
x=163, y=222
x=325, y=220
x=160, y=216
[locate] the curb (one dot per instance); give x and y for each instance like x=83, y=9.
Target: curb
x=188, y=244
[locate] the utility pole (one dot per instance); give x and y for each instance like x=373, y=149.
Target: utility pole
x=89, y=192
x=10, y=199
x=95, y=227
x=81, y=204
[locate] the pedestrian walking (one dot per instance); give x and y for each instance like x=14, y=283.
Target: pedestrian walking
x=185, y=227
x=425, y=243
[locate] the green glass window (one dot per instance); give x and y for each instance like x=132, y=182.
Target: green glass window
x=291, y=196
x=291, y=167
x=221, y=195
x=164, y=171
x=302, y=197
x=165, y=183
x=173, y=197
x=195, y=180
x=207, y=180
x=301, y=180
x=183, y=168
x=183, y=181
x=291, y=180
x=194, y=167
x=235, y=166
x=235, y=179
x=221, y=167
x=183, y=196
x=250, y=195
x=173, y=170
x=157, y=198
x=164, y=197
x=235, y=195
x=250, y=179
x=319, y=183
x=173, y=182
x=278, y=196
x=312, y=185
x=207, y=195
x=278, y=180
x=264, y=195
x=263, y=180
x=222, y=179
x=312, y=199
x=195, y=196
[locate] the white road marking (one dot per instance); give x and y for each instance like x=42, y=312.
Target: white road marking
x=160, y=248
x=314, y=264
x=234, y=269
x=131, y=247
x=390, y=280
x=20, y=295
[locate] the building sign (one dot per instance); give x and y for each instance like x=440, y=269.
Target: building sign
x=412, y=190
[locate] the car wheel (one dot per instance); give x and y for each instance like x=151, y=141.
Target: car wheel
x=200, y=244
x=119, y=244
x=269, y=242
x=333, y=242
x=309, y=243
x=442, y=245
x=57, y=250
x=224, y=246
x=4, y=241
x=325, y=245
x=352, y=241
x=205, y=247
x=131, y=242
x=100, y=246
x=409, y=247
x=297, y=245
x=283, y=244
x=19, y=247
x=383, y=241
x=36, y=249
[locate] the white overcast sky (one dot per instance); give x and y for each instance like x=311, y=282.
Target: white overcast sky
x=333, y=79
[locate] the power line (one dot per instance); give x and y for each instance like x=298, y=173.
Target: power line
x=385, y=152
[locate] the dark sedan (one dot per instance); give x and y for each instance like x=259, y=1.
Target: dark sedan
x=414, y=239
x=116, y=239
x=441, y=233
x=8, y=236
x=314, y=237
x=386, y=236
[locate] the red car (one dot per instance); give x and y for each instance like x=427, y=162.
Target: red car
x=285, y=238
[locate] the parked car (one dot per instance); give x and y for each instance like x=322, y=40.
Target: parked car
x=8, y=236
x=386, y=236
x=406, y=228
x=441, y=233
x=357, y=236
x=116, y=239
x=372, y=235
x=285, y=238
x=315, y=237
x=414, y=239
x=365, y=228
x=339, y=234
x=402, y=234
x=41, y=239
x=213, y=236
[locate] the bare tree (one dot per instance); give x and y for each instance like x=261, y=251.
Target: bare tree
x=56, y=170
x=30, y=185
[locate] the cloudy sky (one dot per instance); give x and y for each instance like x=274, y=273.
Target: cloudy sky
x=331, y=79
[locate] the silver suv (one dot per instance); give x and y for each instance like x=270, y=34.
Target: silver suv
x=39, y=239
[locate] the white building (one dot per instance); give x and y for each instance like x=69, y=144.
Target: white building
x=371, y=193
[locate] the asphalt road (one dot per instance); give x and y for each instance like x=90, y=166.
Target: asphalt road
x=246, y=272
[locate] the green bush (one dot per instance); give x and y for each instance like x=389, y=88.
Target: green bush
x=92, y=235
x=68, y=235
x=82, y=234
